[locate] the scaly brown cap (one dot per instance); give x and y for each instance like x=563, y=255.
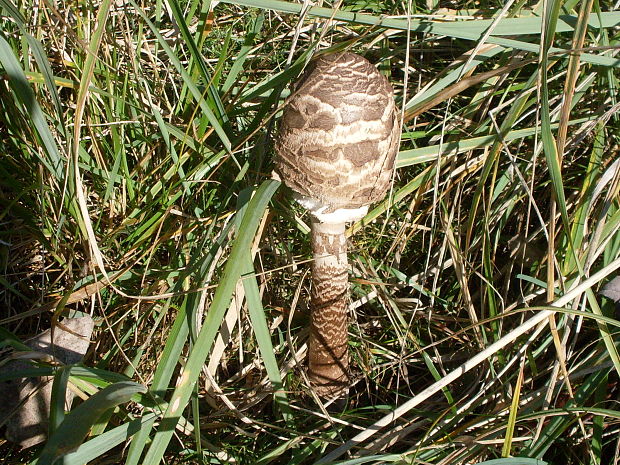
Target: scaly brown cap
x=339, y=133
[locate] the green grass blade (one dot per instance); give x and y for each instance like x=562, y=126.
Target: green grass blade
x=24, y=94
x=96, y=447
x=214, y=102
x=196, y=93
x=263, y=337
x=258, y=318
x=78, y=422
x=39, y=56
x=242, y=56
x=177, y=337
x=512, y=415
x=474, y=32
x=165, y=369
x=220, y=303
x=57, y=401
x=430, y=153
x=549, y=145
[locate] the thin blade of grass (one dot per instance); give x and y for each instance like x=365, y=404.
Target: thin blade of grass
x=39, y=56
x=220, y=303
x=263, y=338
x=197, y=94
x=213, y=101
x=78, y=422
x=176, y=338
x=512, y=415
x=242, y=56
x=54, y=162
x=96, y=447
x=471, y=363
x=474, y=32
x=258, y=318
x=57, y=401
x=450, y=148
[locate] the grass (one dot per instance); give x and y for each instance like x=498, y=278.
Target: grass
x=135, y=187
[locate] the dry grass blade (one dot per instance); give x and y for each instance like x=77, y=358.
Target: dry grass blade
x=471, y=363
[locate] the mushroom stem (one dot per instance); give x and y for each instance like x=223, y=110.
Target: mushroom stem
x=328, y=357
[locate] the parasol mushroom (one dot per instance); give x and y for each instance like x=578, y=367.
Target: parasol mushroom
x=335, y=149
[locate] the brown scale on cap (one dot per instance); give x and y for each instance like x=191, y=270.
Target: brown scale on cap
x=336, y=146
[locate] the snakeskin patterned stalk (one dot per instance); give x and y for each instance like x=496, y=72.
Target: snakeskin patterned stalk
x=328, y=358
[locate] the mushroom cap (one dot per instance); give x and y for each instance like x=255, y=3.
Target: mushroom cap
x=338, y=135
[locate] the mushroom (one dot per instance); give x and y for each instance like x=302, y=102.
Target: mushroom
x=335, y=149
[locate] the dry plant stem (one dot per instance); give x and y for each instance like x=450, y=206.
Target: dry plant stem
x=328, y=359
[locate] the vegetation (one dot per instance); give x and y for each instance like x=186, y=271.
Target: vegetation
x=135, y=186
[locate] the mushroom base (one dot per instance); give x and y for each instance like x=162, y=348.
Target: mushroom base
x=328, y=357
